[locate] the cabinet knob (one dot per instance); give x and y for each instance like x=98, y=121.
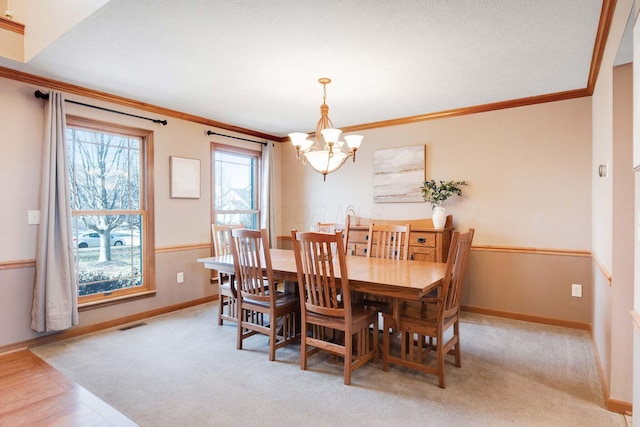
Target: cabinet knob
x=422, y=240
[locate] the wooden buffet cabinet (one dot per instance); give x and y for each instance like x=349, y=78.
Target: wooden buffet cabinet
x=425, y=242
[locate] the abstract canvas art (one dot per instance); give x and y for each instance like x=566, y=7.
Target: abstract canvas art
x=398, y=174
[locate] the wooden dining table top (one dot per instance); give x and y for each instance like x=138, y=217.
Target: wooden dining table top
x=379, y=276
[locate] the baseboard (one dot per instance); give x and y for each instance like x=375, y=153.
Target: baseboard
x=600, y=366
x=613, y=405
x=528, y=318
x=619, y=406
x=76, y=332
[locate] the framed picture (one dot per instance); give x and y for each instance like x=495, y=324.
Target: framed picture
x=185, y=178
x=398, y=174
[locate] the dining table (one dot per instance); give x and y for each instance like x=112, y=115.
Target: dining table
x=396, y=279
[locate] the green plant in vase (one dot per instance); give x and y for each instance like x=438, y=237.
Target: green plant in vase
x=436, y=192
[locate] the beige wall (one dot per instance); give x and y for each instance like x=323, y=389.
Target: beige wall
x=623, y=242
x=536, y=285
x=529, y=171
x=610, y=143
x=182, y=225
x=636, y=233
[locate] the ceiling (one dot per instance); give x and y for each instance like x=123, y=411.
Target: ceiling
x=255, y=64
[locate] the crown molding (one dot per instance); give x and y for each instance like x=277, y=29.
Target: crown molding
x=127, y=102
x=521, y=102
x=604, y=26
x=606, y=18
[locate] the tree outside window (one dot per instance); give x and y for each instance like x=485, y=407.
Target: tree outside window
x=107, y=168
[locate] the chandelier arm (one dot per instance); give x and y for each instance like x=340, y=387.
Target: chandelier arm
x=320, y=153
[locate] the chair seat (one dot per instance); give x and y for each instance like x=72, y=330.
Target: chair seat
x=282, y=299
x=360, y=316
x=421, y=316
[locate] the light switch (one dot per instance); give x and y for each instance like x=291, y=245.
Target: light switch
x=33, y=217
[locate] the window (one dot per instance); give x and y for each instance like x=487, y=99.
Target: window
x=235, y=186
x=110, y=188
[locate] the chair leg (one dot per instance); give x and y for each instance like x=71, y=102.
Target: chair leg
x=239, y=335
x=456, y=348
x=376, y=344
x=232, y=307
x=273, y=325
x=303, y=345
x=348, y=353
x=220, y=308
x=386, y=346
x=440, y=354
x=240, y=329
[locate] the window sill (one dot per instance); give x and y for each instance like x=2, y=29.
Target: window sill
x=116, y=300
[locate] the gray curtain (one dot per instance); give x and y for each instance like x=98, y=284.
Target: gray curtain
x=55, y=294
x=267, y=202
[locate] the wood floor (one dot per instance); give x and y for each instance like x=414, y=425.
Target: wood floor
x=32, y=393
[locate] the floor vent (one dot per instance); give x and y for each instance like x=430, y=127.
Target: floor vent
x=126, y=328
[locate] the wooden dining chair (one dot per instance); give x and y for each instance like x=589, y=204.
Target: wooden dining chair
x=422, y=324
x=326, y=303
x=386, y=241
x=262, y=309
x=331, y=227
x=227, y=301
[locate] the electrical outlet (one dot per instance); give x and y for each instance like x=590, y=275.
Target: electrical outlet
x=576, y=290
x=180, y=277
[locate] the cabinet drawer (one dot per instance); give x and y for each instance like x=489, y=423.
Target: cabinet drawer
x=356, y=249
x=359, y=236
x=422, y=239
x=422, y=254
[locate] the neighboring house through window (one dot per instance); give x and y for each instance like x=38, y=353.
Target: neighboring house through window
x=111, y=205
x=236, y=173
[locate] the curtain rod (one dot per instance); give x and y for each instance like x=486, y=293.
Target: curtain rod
x=210, y=132
x=42, y=95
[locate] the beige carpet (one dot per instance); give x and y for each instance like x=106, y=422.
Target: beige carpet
x=182, y=369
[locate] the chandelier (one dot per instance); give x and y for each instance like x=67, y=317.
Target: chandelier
x=325, y=153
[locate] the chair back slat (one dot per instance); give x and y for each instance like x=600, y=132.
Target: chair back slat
x=322, y=272
x=331, y=228
x=388, y=241
x=456, y=268
x=252, y=260
x=221, y=236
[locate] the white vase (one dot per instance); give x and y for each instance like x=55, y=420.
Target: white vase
x=439, y=218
